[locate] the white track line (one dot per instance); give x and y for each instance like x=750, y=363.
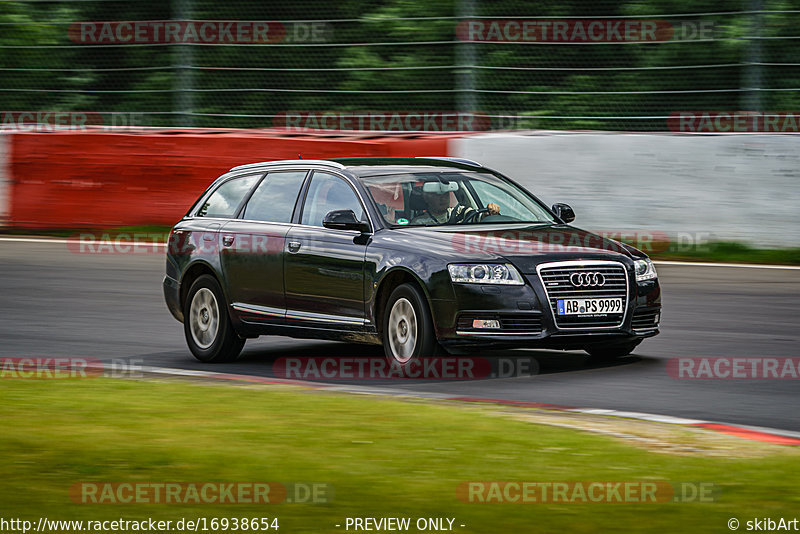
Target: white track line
x=33, y=240
x=657, y=418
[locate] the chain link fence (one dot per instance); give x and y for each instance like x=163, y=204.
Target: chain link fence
x=403, y=65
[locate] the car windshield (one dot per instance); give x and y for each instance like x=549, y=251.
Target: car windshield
x=452, y=197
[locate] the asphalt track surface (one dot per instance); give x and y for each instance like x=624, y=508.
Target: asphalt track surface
x=59, y=303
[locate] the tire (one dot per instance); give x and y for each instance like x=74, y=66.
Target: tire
x=603, y=353
x=408, y=332
x=207, y=325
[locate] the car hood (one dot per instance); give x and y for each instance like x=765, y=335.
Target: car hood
x=525, y=246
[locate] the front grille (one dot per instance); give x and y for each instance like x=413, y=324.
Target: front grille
x=510, y=323
x=555, y=278
x=645, y=319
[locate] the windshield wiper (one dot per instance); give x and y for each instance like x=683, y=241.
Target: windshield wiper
x=548, y=223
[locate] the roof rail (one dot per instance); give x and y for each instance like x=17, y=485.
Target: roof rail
x=464, y=161
x=335, y=164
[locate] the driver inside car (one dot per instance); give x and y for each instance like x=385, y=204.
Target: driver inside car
x=438, y=211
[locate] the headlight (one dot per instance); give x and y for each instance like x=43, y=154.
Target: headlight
x=645, y=270
x=489, y=273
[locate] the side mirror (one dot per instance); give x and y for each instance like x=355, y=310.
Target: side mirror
x=344, y=220
x=564, y=212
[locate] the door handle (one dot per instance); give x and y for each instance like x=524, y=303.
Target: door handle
x=227, y=240
x=294, y=246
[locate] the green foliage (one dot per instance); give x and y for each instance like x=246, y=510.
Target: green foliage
x=534, y=79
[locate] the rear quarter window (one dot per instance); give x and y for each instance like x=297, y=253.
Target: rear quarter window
x=225, y=200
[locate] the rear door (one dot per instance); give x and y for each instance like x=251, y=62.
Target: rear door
x=220, y=205
x=324, y=268
x=252, y=247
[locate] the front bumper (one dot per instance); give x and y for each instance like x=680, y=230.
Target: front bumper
x=527, y=320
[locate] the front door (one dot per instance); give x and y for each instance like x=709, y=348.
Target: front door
x=324, y=268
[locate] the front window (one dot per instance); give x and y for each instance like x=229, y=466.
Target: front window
x=439, y=198
x=327, y=193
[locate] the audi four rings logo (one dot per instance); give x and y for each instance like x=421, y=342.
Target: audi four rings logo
x=587, y=279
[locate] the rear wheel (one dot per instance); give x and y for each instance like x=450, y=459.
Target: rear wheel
x=610, y=351
x=407, y=326
x=206, y=324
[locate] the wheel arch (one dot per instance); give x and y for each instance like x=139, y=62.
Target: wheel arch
x=392, y=279
x=195, y=271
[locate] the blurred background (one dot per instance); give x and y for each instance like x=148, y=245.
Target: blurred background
x=597, y=103
x=405, y=55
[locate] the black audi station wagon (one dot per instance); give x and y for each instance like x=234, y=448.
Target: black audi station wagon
x=421, y=255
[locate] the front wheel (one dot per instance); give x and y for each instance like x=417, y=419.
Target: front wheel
x=610, y=351
x=407, y=326
x=206, y=324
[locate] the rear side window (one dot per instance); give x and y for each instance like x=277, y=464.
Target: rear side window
x=226, y=198
x=275, y=197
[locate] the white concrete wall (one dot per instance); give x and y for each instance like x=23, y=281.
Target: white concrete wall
x=734, y=187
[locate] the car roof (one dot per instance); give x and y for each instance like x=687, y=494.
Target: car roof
x=429, y=161
x=364, y=166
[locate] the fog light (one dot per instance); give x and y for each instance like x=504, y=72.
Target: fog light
x=657, y=318
x=485, y=323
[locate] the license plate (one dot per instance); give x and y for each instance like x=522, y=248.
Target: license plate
x=589, y=306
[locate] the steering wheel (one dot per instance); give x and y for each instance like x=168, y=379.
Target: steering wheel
x=474, y=215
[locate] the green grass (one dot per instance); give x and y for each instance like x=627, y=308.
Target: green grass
x=382, y=457
x=730, y=252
